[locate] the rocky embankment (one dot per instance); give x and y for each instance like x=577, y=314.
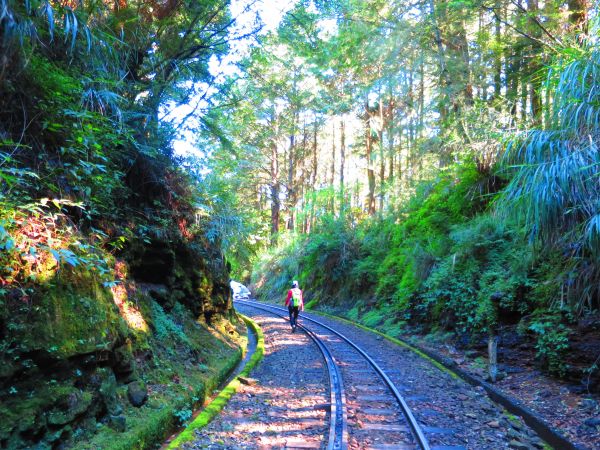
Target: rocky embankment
x=115, y=366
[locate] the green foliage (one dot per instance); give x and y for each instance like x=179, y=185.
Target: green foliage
x=554, y=190
x=485, y=273
x=373, y=318
x=422, y=235
x=380, y=257
x=88, y=177
x=183, y=415
x=166, y=329
x=39, y=241
x=552, y=342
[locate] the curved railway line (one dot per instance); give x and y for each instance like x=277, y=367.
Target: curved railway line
x=373, y=393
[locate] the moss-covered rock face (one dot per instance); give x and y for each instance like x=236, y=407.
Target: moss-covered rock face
x=192, y=273
x=74, y=315
x=76, y=357
x=73, y=318
x=52, y=342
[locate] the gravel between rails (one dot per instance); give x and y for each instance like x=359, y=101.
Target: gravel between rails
x=285, y=404
x=454, y=414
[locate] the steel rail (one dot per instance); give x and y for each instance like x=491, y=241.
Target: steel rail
x=410, y=418
x=338, y=428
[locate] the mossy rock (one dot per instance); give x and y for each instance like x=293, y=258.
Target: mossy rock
x=52, y=405
x=103, y=381
x=137, y=393
x=75, y=315
x=69, y=406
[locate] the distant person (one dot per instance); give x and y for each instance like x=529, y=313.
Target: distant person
x=295, y=304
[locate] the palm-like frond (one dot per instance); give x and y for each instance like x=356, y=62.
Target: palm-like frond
x=13, y=26
x=19, y=22
x=556, y=184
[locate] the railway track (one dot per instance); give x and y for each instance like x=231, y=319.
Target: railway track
x=380, y=416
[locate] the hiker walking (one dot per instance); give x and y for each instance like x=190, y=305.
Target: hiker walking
x=295, y=304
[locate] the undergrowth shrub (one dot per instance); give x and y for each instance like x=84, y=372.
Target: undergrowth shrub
x=482, y=280
x=552, y=342
x=443, y=263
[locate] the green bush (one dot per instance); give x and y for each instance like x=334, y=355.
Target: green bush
x=441, y=263
x=485, y=275
x=552, y=342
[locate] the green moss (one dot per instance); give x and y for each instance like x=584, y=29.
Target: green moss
x=47, y=403
x=181, y=384
x=52, y=83
x=312, y=304
x=396, y=341
x=217, y=405
x=165, y=328
x=74, y=315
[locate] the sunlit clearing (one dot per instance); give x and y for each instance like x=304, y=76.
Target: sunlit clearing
x=130, y=313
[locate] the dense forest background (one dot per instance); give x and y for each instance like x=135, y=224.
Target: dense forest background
x=425, y=166
x=421, y=167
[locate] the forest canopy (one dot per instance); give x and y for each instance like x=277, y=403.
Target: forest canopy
x=425, y=166
x=433, y=164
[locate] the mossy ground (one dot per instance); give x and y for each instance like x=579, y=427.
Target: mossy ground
x=215, y=407
x=75, y=331
x=179, y=379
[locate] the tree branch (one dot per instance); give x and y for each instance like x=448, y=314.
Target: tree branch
x=512, y=27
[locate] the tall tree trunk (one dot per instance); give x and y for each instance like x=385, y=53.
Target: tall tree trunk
x=342, y=163
x=314, y=166
x=381, y=154
x=421, y=98
x=390, y=135
x=513, y=59
x=513, y=69
x=314, y=169
x=292, y=195
x=497, y=56
x=412, y=123
x=524, y=92
x=481, y=63
x=535, y=65
x=442, y=66
x=465, y=82
x=370, y=171
x=275, y=189
x=332, y=178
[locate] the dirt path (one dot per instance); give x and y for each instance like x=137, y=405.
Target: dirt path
x=286, y=404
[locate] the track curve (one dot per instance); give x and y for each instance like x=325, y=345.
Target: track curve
x=338, y=399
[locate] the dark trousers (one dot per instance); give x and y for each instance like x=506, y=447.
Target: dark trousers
x=293, y=310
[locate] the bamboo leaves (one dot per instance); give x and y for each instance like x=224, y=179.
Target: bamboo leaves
x=70, y=25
